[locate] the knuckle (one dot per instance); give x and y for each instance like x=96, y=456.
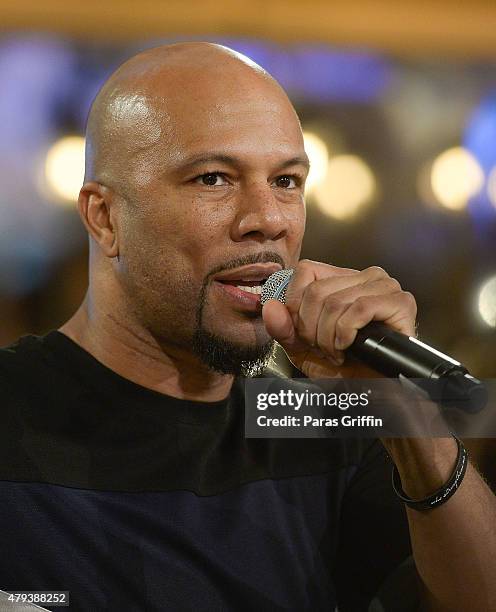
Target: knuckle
x=362, y=304
x=376, y=272
x=304, y=263
x=393, y=284
x=332, y=303
x=410, y=299
x=315, y=290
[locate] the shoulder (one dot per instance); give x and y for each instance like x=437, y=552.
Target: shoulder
x=23, y=365
x=16, y=356
x=11, y=358
x=21, y=369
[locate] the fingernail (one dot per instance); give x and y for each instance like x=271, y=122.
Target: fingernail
x=338, y=343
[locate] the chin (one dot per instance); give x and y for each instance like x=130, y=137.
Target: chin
x=233, y=354
x=248, y=333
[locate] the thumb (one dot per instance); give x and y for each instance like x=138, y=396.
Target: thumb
x=279, y=324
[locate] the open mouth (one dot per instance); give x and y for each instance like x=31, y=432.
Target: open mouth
x=244, y=285
x=254, y=287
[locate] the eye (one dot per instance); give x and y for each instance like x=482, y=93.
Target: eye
x=287, y=181
x=211, y=179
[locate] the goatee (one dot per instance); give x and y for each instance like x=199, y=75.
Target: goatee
x=221, y=354
x=226, y=357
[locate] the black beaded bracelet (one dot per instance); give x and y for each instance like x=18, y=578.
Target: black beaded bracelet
x=441, y=495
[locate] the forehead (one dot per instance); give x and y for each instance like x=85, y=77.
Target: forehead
x=135, y=114
x=238, y=117
x=253, y=129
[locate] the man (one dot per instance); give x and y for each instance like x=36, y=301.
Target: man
x=126, y=478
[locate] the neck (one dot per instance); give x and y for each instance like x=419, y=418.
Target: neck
x=132, y=352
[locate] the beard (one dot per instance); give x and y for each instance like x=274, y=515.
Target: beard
x=222, y=355
x=219, y=353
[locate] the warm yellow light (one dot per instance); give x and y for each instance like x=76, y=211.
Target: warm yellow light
x=349, y=185
x=487, y=302
x=64, y=168
x=456, y=176
x=491, y=186
x=318, y=155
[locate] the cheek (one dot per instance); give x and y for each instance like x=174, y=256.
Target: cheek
x=296, y=218
x=182, y=235
x=204, y=227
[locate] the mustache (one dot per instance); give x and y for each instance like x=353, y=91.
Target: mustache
x=253, y=258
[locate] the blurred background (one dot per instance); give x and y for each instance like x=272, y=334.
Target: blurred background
x=398, y=104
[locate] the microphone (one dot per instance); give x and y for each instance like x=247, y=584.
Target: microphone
x=397, y=355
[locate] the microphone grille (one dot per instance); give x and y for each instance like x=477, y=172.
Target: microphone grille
x=275, y=286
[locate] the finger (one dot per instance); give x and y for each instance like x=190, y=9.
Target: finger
x=313, y=301
x=279, y=325
x=398, y=310
x=337, y=303
x=306, y=272
x=335, y=290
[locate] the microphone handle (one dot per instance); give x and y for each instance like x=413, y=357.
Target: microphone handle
x=397, y=355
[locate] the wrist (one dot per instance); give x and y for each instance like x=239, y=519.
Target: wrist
x=424, y=464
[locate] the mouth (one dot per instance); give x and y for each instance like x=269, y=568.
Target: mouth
x=244, y=285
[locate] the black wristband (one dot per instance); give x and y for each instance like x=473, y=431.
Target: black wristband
x=441, y=495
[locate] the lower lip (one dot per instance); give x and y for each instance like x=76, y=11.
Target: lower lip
x=250, y=301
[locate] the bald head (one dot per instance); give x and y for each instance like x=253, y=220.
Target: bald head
x=133, y=121
x=195, y=164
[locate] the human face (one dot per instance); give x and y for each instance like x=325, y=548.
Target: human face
x=219, y=203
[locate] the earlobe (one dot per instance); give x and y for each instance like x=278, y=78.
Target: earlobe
x=115, y=245
x=95, y=207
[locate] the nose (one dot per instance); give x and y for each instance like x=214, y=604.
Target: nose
x=259, y=216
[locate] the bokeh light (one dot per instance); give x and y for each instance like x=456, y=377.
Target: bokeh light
x=456, y=176
x=318, y=155
x=487, y=301
x=64, y=168
x=349, y=185
x=491, y=186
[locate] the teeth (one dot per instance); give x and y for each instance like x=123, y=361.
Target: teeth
x=257, y=289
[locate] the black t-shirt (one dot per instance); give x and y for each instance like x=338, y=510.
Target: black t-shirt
x=136, y=501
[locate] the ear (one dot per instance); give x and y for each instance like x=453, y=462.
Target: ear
x=97, y=208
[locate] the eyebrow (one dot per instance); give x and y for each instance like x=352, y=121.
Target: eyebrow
x=204, y=158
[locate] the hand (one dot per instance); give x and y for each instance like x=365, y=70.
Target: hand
x=325, y=306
